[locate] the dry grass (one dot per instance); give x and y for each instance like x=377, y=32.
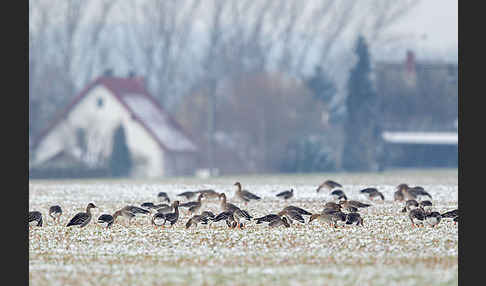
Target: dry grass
x=385, y=251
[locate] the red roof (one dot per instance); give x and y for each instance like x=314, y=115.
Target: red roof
x=131, y=93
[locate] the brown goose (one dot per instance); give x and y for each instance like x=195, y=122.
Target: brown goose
x=238, y=213
x=332, y=205
x=82, y=219
x=130, y=212
x=228, y=217
x=329, y=216
x=209, y=193
x=329, y=184
x=372, y=193
x=55, y=212
x=279, y=222
x=193, y=203
x=107, y=220
x=194, y=220
x=286, y=194
x=417, y=217
x=173, y=217
x=398, y=196
x=35, y=217
x=267, y=218
x=195, y=208
x=412, y=193
x=291, y=215
x=245, y=195
x=348, y=205
x=297, y=209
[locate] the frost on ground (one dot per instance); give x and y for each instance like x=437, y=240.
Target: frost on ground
x=385, y=251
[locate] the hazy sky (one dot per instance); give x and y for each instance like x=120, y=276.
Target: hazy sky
x=438, y=20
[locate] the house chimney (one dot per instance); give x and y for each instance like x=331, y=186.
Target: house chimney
x=410, y=63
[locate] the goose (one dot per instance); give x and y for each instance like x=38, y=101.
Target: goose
x=278, y=222
x=329, y=216
x=354, y=217
x=209, y=193
x=329, y=184
x=398, y=196
x=55, y=212
x=297, y=209
x=35, y=217
x=107, y=220
x=450, y=214
x=412, y=193
x=332, y=205
x=238, y=213
x=165, y=209
x=130, y=212
x=163, y=197
x=173, y=217
x=188, y=195
x=82, y=219
x=151, y=206
x=290, y=215
x=372, y=193
x=410, y=205
x=267, y=218
x=192, y=203
x=417, y=216
x=195, y=208
x=194, y=220
x=345, y=204
x=454, y=214
x=286, y=194
x=228, y=217
x=432, y=218
x=245, y=195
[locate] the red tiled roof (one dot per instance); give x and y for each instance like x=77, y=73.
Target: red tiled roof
x=132, y=94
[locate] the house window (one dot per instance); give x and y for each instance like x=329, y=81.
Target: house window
x=99, y=102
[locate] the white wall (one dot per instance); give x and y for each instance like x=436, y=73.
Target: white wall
x=99, y=124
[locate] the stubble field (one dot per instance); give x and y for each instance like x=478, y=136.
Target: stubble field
x=385, y=251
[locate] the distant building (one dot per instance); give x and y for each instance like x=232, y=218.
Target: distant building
x=83, y=133
x=419, y=112
x=418, y=95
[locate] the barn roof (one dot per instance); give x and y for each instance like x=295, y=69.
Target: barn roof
x=132, y=95
x=439, y=138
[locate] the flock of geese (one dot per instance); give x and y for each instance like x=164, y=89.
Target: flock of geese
x=342, y=211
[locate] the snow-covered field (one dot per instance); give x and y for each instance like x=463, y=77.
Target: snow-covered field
x=385, y=251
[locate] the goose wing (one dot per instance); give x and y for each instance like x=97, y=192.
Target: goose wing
x=297, y=209
x=247, y=195
x=284, y=193
x=136, y=210
x=79, y=218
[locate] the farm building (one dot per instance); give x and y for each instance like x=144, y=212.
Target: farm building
x=419, y=111
x=83, y=135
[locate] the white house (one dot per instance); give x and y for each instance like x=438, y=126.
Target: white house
x=84, y=130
